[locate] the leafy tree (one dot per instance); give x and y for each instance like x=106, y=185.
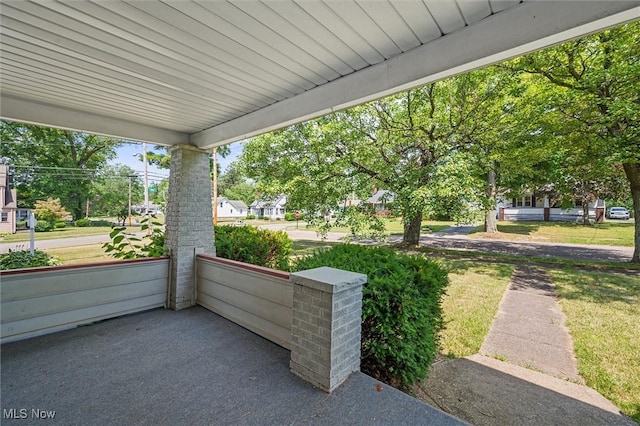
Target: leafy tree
x=397, y=143
x=592, y=87
x=111, y=192
x=50, y=211
x=54, y=163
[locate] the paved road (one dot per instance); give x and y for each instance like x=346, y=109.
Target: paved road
x=453, y=238
x=526, y=248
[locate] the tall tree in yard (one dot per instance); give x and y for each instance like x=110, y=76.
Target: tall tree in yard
x=54, y=163
x=593, y=88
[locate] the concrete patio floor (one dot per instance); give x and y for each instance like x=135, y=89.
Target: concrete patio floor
x=188, y=367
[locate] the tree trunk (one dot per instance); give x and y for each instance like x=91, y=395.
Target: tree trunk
x=411, y=233
x=490, y=223
x=585, y=212
x=632, y=170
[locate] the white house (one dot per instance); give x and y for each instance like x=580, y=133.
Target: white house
x=273, y=209
x=7, y=202
x=232, y=208
x=536, y=208
x=381, y=200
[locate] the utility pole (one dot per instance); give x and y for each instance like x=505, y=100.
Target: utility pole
x=130, y=177
x=146, y=188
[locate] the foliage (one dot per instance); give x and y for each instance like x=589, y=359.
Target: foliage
x=289, y=217
x=251, y=216
x=54, y=163
x=43, y=226
x=111, y=192
x=82, y=223
x=235, y=186
x=50, y=211
x=128, y=246
x=588, y=98
x=401, y=312
x=253, y=245
x=59, y=225
x=397, y=143
x=24, y=259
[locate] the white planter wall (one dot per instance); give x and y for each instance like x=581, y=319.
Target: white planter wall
x=44, y=300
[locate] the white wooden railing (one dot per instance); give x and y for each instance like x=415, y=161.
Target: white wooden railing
x=38, y=301
x=259, y=299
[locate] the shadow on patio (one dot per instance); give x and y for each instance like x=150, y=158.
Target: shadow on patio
x=185, y=367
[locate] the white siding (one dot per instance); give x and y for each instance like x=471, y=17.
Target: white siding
x=259, y=299
x=45, y=300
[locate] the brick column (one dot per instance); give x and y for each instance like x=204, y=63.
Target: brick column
x=189, y=220
x=326, y=324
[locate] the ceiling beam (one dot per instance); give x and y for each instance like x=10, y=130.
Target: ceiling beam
x=518, y=30
x=18, y=109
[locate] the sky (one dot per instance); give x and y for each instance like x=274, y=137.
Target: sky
x=128, y=156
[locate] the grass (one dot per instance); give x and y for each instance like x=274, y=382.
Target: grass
x=68, y=232
x=608, y=233
x=392, y=226
x=76, y=255
x=471, y=303
x=603, y=312
x=307, y=247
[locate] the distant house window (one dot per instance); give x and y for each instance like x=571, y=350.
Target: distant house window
x=519, y=202
x=221, y=204
x=231, y=211
x=578, y=203
x=4, y=217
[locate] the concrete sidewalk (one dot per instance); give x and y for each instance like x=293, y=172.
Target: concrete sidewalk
x=528, y=331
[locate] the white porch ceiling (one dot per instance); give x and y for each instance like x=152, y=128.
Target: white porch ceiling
x=213, y=72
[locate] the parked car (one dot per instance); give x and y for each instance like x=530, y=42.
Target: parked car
x=618, y=213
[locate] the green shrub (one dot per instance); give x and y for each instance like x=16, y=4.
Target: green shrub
x=252, y=245
x=401, y=309
x=100, y=223
x=22, y=224
x=43, y=226
x=263, y=217
x=82, y=223
x=24, y=259
x=59, y=225
x=251, y=216
x=289, y=217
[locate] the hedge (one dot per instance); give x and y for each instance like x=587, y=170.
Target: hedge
x=401, y=312
x=253, y=245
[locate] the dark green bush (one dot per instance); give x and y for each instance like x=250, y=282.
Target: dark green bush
x=289, y=217
x=251, y=217
x=401, y=309
x=21, y=224
x=43, y=226
x=100, y=223
x=82, y=223
x=59, y=225
x=24, y=259
x=252, y=245
x=263, y=217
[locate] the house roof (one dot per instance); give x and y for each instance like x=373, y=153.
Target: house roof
x=279, y=200
x=209, y=73
x=380, y=197
x=237, y=204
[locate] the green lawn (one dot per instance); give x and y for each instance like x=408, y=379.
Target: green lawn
x=603, y=316
x=608, y=233
x=471, y=303
x=80, y=254
x=68, y=232
x=392, y=226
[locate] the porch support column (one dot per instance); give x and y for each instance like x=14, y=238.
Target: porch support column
x=189, y=221
x=326, y=325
